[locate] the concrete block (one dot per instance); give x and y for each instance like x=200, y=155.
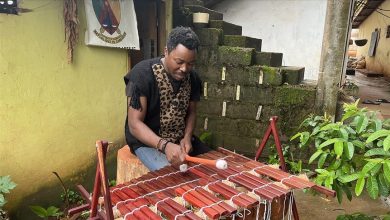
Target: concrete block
x=293, y=75
x=210, y=36
x=242, y=41
x=261, y=95
x=207, y=55
x=302, y=95
x=220, y=91
x=228, y=28
x=270, y=76
x=235, y=55
x=128, y=166
x=268, y=59
x=241, y=145
x=209, y=73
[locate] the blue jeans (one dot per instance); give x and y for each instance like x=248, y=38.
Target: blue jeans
x=151, y=158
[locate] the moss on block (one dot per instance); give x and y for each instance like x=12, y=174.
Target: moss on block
x=228, y=28
x=241, y=145
x=209, y=107
x=250, y=111
x=209, y=73
x=268, y=59
x=235, y=55
x=210, y=36
x=240, y=127
x=261, y=95
x=293, y=75
x=303, y=95
x=207, y=55
x=242, y=41
x=271, y=76
x=220, y=91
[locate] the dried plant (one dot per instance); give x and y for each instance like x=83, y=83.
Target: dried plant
x=71, y=26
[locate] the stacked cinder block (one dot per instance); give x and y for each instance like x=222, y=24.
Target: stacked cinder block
x=243, y=87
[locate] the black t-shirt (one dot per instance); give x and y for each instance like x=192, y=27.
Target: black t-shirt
x=140, y=81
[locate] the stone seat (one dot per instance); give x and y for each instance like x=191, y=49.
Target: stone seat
x=128, y=166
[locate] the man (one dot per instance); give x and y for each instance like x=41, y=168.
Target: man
x=162, y=94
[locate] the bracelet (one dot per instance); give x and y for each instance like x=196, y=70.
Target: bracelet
x=159, y=143
x=164, y=145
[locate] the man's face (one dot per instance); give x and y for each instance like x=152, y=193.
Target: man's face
x=180, y=61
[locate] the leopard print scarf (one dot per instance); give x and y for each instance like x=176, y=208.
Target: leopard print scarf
x=173, y=107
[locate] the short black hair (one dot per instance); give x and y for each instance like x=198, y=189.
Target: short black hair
x=182, y=35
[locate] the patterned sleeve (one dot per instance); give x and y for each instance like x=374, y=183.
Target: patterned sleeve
x=137, y=85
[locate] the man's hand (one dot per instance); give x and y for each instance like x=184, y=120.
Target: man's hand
x=175, y=153
x=186, y=144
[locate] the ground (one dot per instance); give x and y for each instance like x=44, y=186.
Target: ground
x=316, y=207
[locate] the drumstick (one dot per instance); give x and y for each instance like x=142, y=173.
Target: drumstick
x=220, y=164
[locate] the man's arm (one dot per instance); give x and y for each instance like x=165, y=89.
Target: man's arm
x=190, y=125
x=143, y=133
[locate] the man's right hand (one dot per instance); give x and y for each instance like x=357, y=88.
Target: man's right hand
x=175, y=153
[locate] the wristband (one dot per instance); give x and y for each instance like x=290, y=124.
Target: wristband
x=159, y=143
x=164, y=145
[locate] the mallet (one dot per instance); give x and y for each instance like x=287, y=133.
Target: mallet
x=219, y=164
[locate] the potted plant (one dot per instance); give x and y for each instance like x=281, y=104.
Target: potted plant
x=6, y=185
x=350, y=154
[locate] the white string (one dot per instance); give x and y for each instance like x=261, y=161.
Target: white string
x=182, y=214
x=286, y=178
x=136, y=209
x=157, y=191
x=290, y=205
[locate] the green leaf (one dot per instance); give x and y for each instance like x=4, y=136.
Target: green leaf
x=315, y=155
x=332, y=126
x=39, y=211
x=349, y=178
x=338, y=148
x=322, y=159
x=52, y=211
x=6, y=184
x=376, y=169
x=339, y=192
x=295, y=136
x=347, y=192
x=361, y=124
x=378, y=124
x=349, y=150
x=372, y=187
x=358, y=144
x=315, y=130
x=386, y=170
x=322, y=171
x=377, y=152
x=368, y=167
x=335, y=165
x=383, y=187
x=304, y=137
x=2, y=201
x=344, y=133
x=377, y=135
x=359, y=185
x=350, y=130
x=386, y=143
x=329, y=142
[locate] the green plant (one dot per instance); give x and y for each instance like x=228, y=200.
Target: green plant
x=362, y=216
x=353, y=151
x=206, y=137
x=293, y=165
x=6, y=185
x=46, y=213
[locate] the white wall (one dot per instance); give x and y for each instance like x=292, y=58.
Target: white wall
x=292, y=27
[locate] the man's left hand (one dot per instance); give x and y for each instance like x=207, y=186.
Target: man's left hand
x=186, y=144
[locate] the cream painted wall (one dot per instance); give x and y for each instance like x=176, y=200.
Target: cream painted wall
x=51, y=112
x=381, y=61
